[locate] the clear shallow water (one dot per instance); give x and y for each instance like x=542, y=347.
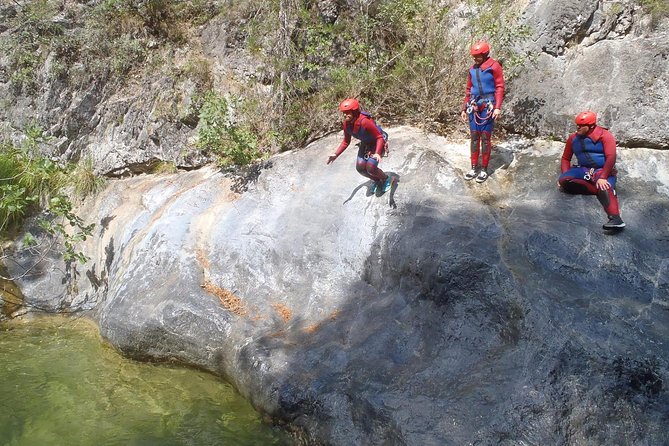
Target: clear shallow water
x=60, y=384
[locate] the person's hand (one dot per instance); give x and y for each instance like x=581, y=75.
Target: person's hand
x=377, y=157
x=602, y=184
x=496, y=112
x=463, y=116
x=331, y=158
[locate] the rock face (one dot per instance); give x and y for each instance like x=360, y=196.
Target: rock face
x=602, y=56
x=443, y=312
x=126, y=126
x=588, y=54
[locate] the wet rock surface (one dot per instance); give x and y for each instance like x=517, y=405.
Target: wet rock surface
x=442, y=312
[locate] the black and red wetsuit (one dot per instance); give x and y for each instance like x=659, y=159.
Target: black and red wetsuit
x=596, y=156
x=484, y=93
x=371, y=141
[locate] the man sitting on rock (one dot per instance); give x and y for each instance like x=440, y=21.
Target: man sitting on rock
x=595, y=173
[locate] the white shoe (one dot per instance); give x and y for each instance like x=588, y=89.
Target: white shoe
x=471, y=174
x=483, y=175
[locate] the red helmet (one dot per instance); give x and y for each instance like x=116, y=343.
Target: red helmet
x=586, y=118
x=350, y=104
x=480, y=47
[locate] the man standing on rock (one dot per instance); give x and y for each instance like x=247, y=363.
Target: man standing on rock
x=482, y=104
x=372, y=144
x=595, y=173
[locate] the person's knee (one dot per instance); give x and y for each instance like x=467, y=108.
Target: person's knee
x=572, y=186
x=373, y=170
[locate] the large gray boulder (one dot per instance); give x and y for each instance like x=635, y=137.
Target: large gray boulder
x=602, y=56
x=443, y=312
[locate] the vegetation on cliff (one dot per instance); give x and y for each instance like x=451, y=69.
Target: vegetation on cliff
x=404, y=59
x=32, y=184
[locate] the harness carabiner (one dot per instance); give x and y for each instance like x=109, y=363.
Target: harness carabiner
x=589, y=174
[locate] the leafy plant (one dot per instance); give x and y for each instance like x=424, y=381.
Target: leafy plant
x=30, y=182
x=26, y=178
x=14, y=203
x=60, y=210
x=232, y=142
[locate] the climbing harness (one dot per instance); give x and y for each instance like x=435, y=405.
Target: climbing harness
x=369, y=151
x=589, y=174
x=474, y=109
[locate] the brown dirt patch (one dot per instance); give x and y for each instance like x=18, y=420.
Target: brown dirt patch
x=317, y=326
x=202, y=259
x=228, y=299
x=283, y=311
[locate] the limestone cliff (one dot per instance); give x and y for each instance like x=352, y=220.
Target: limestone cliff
x=602, y=56
x=443, y=312
x=605, y=56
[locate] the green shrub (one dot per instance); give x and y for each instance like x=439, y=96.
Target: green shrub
x=232, y=142
x=199, y=70
x=84, y=180
x=59, y=215
x=109, y=39
x=25, y=50
x=406, y=60
x=14, y=203
x=498, y=23
x=156, y=18
x=658, y=9
x=30, y=182
x=26, y=178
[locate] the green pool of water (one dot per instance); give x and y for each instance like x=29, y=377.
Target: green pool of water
x=60, y=384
